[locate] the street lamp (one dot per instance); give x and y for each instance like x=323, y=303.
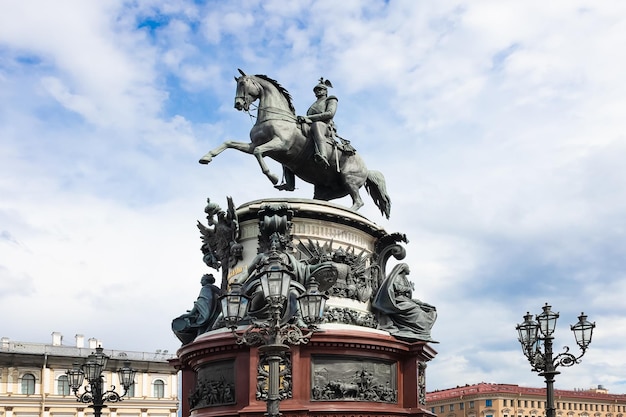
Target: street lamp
x=536, y=340
x=92, y=371
x=272, y=333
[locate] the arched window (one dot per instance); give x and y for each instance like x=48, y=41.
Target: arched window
x=159, y=388
x=63, y=385
x=28, y=384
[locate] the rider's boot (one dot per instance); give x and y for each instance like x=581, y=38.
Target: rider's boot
x=319, y=157
x=321, y=160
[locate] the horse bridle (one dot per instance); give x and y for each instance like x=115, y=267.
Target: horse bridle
x=244, y=97
x=249, y=99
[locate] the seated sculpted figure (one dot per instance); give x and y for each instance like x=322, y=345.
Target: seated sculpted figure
x=403, y=317
x=202, y=316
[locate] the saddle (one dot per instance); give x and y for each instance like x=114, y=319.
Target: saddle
x=333, y=139
x=344, y=146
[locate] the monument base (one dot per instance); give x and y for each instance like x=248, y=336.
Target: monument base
x=349, y=367
x=340, y=372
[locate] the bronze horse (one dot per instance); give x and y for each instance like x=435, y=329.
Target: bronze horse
x=277, y=134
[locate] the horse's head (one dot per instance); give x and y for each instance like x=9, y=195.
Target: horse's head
x=248, y=90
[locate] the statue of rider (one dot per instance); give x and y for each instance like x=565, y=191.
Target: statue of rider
x=317, y=125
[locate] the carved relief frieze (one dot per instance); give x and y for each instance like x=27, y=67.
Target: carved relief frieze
x=353, y=379
x=215, y=385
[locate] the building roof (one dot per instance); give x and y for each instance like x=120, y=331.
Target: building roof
x=14, y=353
x=57, y=349
x=483, y=388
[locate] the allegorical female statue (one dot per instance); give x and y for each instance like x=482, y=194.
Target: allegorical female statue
x=403, y=317
x=202, y=316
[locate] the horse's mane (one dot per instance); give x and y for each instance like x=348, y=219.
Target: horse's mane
x=280, y=88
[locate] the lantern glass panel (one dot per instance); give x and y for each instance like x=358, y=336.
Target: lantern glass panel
x=547, y=321
x=100, y=358
x=312, y=306
x=583, y=331
x=306, y=307
x=234, y=307
x=275, y=283
x=75, y=377
x=528, y=332
x=92, y=370
x=126, y=375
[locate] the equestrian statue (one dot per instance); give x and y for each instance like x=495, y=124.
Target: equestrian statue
x=306, y=146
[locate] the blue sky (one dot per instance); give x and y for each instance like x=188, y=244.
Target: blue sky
x=499, y=127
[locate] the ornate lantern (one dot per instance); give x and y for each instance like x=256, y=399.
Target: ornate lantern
x=75, y=377
x=312, y=303
x=234, y=305
x=583, y=330
x=275, y=279
x=126, y=375
x=528, y=333
x=547, y=321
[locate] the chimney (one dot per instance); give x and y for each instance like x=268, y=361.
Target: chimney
x=93, y=343
x=80, y=341
x=57, y=339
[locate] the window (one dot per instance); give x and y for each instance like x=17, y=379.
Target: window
x=28, y=384
x=432, y=410
x=442, y=409
x=159, y=388
x=461, y=406
x=451, y=407
x=63, y=385
x=488, y=403
x=471, y=404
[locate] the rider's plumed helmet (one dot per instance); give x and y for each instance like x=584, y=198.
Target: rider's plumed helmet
x=323, y=85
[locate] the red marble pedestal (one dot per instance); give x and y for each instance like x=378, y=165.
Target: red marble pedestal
x=219, y=350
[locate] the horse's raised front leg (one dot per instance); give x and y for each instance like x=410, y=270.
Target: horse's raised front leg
x=246, y=147
x=260, y=150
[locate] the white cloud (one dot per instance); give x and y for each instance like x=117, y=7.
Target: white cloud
x=497, y=126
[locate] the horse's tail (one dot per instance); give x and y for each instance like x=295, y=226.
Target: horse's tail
x=376, y=188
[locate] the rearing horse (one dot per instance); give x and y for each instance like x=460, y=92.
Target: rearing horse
x=277, y=134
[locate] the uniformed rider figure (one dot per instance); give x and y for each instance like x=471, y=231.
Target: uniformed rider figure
x=318, y=123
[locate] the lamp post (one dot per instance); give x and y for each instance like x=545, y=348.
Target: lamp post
x=273, y=333
x=536, y=340
x=94, y=391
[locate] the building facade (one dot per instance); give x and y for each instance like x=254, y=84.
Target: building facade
x=33, y=382
x=508, y=400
